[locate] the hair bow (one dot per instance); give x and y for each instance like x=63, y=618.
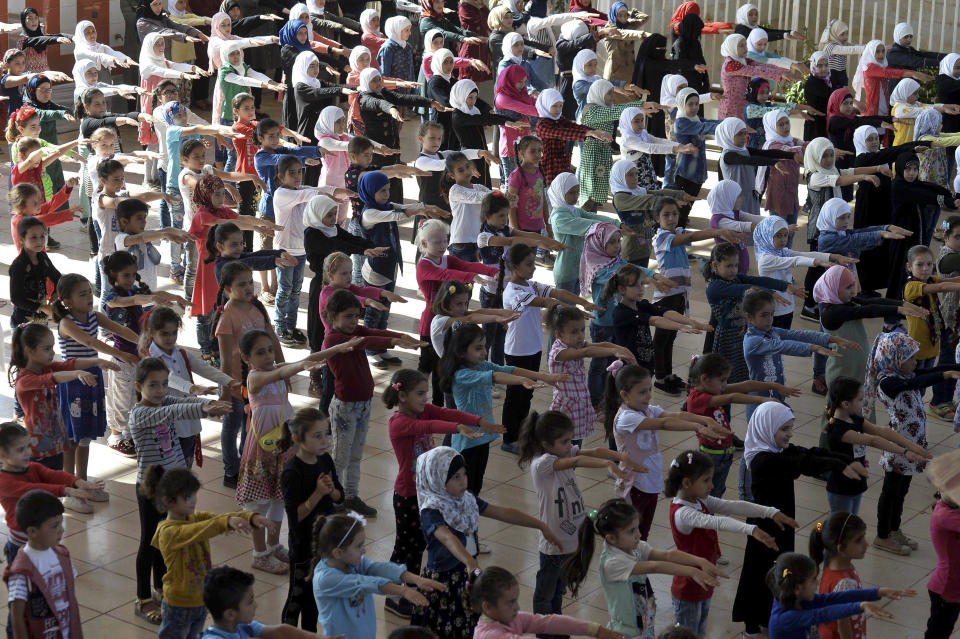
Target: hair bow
x=395, y=386
x=674, y=464
x=818, y=526
x=689, y=458
x=786, y=573
x=615, y=367
x=945, y=225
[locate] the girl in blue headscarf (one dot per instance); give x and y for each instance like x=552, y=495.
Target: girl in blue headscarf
x=294, y=40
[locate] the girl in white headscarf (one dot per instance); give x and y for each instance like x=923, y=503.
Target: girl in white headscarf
x=396, y=55
x=758, y=42
x=311, y=94
x=584, y=76
x=575, y=37
x=637, y=145
x=86, y=76
x=905, y=109
x=556, y=130
x=948, y=89
x=360, y=59
x=748, y=20
x=86, y=47
x=470, y=117
x=689, y=128
x=736, y=72
x=781, y=186
x=330, y=134
x=372, y=37
x=903, y=55
x=184, y=51
x=512, y=49
x=870, y=81
x=833, y=41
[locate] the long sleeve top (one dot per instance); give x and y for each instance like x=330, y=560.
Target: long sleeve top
x=265, y=163
x=100, y=54
x=833, y=316
x=29, y=282
x=318, y=246
x=734, y=77
x=412, y=436
x=345, y=599
x=690, y=516
x=720, y=291
x=155, y=434
x=555, y=135
x=948, y=92
x=262, y=260
x=49, y=214
x=166, y=28
x=430, y=275
x=793, y=623
x=15, y=484
x=756, y=157
x=451, y=32
x=841, y=129
x=945, y=535
x=182, y=364
x=354, y=382
x=764, y=351
x=687, y=131
x=570, y=224
x=525, y=624
x=877, y=100
x=378, y=124
x=850, y=243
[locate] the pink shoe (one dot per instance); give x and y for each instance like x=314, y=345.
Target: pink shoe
x=268, y=563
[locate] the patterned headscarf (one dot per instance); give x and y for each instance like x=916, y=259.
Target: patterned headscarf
x=426, y=10
x=207, y=185
x=766, y=420
x=433, y=468
x=889, y=352
x=828, y=287
x=594, y=257
x=171, y=111
x=615, y=10
x=763, y=236
x=926, y=123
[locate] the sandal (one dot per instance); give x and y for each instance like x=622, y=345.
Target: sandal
x=157, y=595
x=150, y=616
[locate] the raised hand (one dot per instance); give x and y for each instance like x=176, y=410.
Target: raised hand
x=218, y=408
x=823, y=350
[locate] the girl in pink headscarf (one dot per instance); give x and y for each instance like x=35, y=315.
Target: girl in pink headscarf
x=512, y=100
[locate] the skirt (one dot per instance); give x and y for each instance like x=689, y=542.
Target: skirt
x=82, y=407
x=446, y=613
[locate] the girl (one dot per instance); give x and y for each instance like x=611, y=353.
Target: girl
x=621, y=56
x=817, y=89
x=737, y=161
x=775, y=464
x=905, y=109
x=372, y=37
x=360, y=59
x=493, y=596
x=234, y=74
x=330, y=132
x=465, y=199
x=836, y=542
x=183, y=539
x=25, y=202
x=33, y=277
x=104, y=58
x=748, y=21
x=725, y=289
x=470, y=116
x=689, y=128
x=833, y=41
x=311, y=490
x=849, y=433
x=466, y=374
x=32, y=161
x=448, y=517
x=411, y=429
x=39, y=90
x=797, y=608
x=943, y=533
x=34, y=42
x=527, y=183
x=711, y=396
x=512, y=100
x=637, y=144
x=625, y=562
x=872, y=75
x=449, y=312
x=153, y=426
x=345, y=579
x=736, y=72
x=82, y=407
x=933, y=163
x=757, y=42
x=723, y=201
x=843, y=118
x=948, y=84
x=584, y=75
x=632, y=422
x=567, y=353
x=546, y=443
x=395, y=57
x=524, y=340
x=556, y=131
x=695, y=519
x=312, y=95
x=575, y=37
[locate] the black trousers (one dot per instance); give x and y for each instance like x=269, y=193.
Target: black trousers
x=428, y=366
x=300, y=608
x=476, y=459
x=149, y=558
x=516, y=401
x=409, y=544
x=813, y=274
x=890, y=504
x=663, y=339
x=943, y=617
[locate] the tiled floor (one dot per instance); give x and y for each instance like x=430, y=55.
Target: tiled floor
x=103, y=544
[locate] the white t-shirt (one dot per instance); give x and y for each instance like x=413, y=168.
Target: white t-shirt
x=524, y=334
x=438, y=331
x=186, y=195
x=288, y=207
x=48, y=565
x=107, y=219
x=642, y=445
x=560, y=500
x=146, y=253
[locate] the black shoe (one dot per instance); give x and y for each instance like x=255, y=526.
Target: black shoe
x=230, y=481
x=299, y=336
x=737, y=443
x=356, y=504
x=391, y=359
x=400, y=607
x=679, y=383
x=667, y=386
x=812, y=314
x=287, y=338
x=52, y=243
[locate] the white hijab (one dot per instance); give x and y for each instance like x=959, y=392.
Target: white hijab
x=598, y=92
x=829, y=212
x=546, y=99
x=618, y=178
x=560, y=186
x=860, y=136
x=729, y=47
x=766, y=420
x=428, y=42
x=298, y=10
x=459, y=513
x=230, y=47
x=573, y=30
x=147, y=56
x=903, y=90
x=366, y=76
x=682, y=96
x=172, y=9
x=315, y=8
x=394, y=27
x=756, y=36
x=317, y=207
x=725, y=132
x=326, y=122
x=946, y=65
x=813, y=153
x=299, y=74
x=365, y=17
x=79, y=40
x=770, y=120
x=626, y=125
x=506, y=47
x=669, y=86
x=79, y=74
x=902, y=29
x=868, y=57
x=436, y=63
x=742, y=12
x=355, y=54
x=459, y=93
x=579, y=62
x=723, y=197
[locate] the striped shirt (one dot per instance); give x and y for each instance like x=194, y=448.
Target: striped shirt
x=155, y=433
x=672, y=261
x=70, y=348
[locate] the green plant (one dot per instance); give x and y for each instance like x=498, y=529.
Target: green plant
x=928, y=90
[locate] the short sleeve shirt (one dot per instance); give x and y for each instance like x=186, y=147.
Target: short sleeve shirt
x=529, y=199
x=41, y=409
x=560, y=501
x=438, y=331
x=837, y=483
x=48, y=565
x=525, y=334
x=236, y=322
x=147, y=258
x=642, y=445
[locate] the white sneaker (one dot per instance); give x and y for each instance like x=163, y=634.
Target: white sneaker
x=77, y=505
x=722, y=561
x=268, y=563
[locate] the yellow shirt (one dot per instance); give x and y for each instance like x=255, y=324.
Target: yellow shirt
x=917, y=327
x=185, y=546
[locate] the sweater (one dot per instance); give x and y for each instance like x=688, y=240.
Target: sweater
x=412, y=436
x=15, y=483
x=351, y=371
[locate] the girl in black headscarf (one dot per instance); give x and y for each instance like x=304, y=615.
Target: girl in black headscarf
x=687, y=48
x=38, y=90
x=910, y=195
x=151, y=18
x=34, y=42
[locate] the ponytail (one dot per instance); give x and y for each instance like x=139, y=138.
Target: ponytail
x=446, y=180
x=612, y=517
x=626, y=275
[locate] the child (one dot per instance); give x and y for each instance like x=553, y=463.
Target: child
x=725, y=289
x=739, y=163
x=836, y=236
x=41, y=573
x=524, y=340
x=775, y=465
x=872, y=75
x=690, y=128
x=350, y=408
x=625, y=562
x=153, y=426
x=736, y=72
x=849, y=433
x=906, y=110
x=310, y=489
x=723, y=202
x=432, y=164
x=834, y=42
x=759, y=104
x=450, y=312
x=948, y=265
x=546, y=443
x=797, y=607
x=32, y=274
x=531, y=212
x=836, y=542
x=411, y=430
x=33, y=161
x=632, y=422
x=943, y=534
x=136, y=240
x=891, y=379
x=556, y=132
x=184, y=540
x=711, y=396
x=159, y=339
x=448, y=517
x=26, y=200
x=493, y=596
x=464, y=198
x=638, y=145
x=781, y=186
x=82, y=407
x=695, y=519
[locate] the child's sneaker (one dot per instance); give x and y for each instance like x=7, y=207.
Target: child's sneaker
x=819, y=385
x=892, y=545
x=98, y=495
x=287, y=339
x=903, y=539
x=268, y=563
x=945, y=411
x=298, y=335
x=176, y=277
x=281, y=553
x=267, y=298
x=77, y=505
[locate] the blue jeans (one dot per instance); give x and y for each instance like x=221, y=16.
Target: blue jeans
x=464, y=250
x=289, y=283
x=233, y=423
x=356, y=277
x=721, y=469
x=597, y=373
x=231, y=151
x=943, y=391
x=745, y=481
x=692, y=615
x=375, y=318
x=164, y=207
x=208, y=344
x=844, y=503
x=182, y=623
x=670, y=171
x=507, y=164
x=549, y=589
x=930, y=214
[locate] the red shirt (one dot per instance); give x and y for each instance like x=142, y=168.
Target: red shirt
x=205, y=287
x=412, y=436
x=698, y=403
x=351, y=371
x=34, y=176
x=49, y=214
x=836, y=581
x=245, y=147
x=700, y=543
x=14, y=484
x=431, y=275
x=37, y=394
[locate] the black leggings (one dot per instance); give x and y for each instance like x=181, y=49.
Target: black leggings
x=148, y=557
x=300, y=608
x=890, y=504
x=813, y=274
x=409, y=544
x=663, y=339
x=428, y=366
x=476, y=459
x=516, y=401
x=943, y=617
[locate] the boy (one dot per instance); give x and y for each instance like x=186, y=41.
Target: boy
x=131, y=220
x=228, y=595
x=19, y=475
x=42, y=571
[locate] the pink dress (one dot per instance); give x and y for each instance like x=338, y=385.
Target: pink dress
x=35, y=62
x=572, y=396
x=260, y=470
x=735, y=77
x=333, y=173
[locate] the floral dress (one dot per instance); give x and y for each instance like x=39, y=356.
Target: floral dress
x=570, y=397
x=909, y=418
x=259, y=478
x=596, y=157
